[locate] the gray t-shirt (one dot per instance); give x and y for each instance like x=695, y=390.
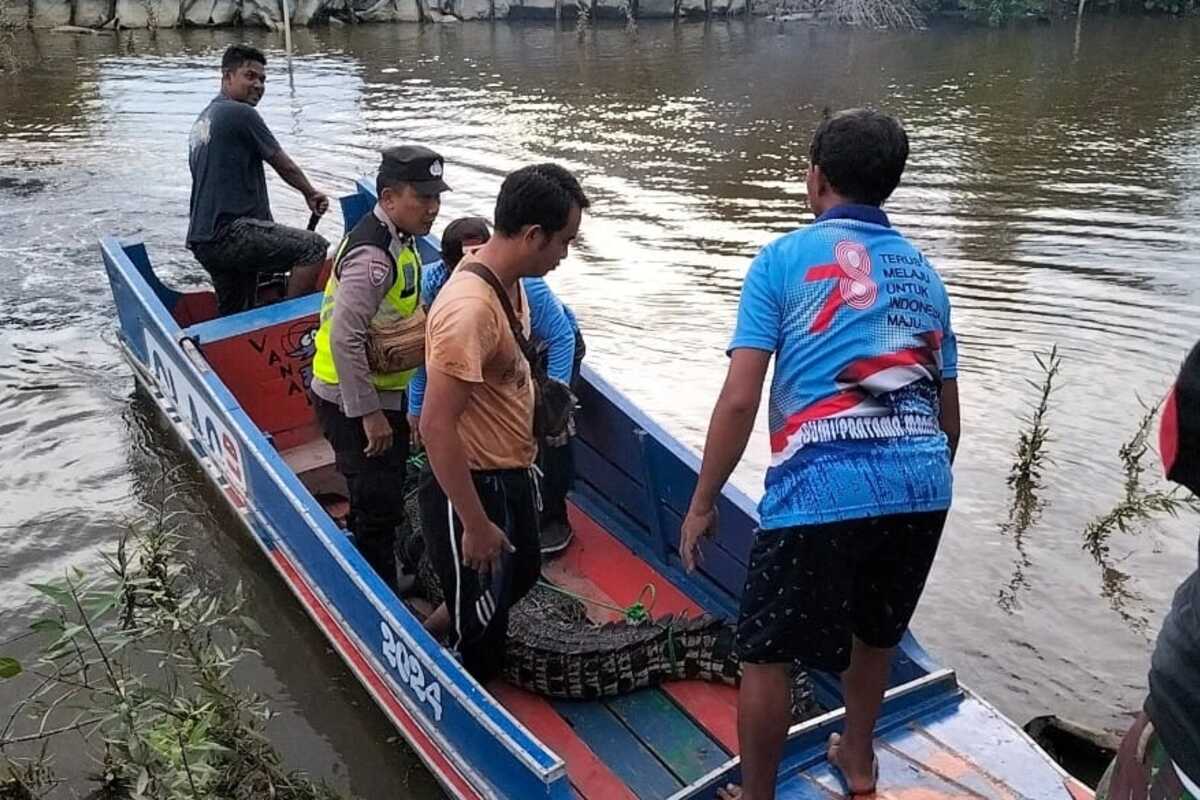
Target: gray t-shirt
x=226, y=150
x=1174, y=700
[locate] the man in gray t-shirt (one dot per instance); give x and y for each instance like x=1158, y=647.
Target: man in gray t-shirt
x=231, y=231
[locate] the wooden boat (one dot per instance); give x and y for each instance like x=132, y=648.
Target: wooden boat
x=234, y=390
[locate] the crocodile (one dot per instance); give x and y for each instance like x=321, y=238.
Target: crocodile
x=555, y=650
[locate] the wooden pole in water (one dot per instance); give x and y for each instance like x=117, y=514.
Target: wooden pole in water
x=287, y=30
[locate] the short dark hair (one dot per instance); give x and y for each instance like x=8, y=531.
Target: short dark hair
x=458, y=232
x=861, y=153
x=542, y=194
x=384, y=180
x=238, y=54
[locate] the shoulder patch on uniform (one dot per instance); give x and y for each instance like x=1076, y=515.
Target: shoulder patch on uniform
x=378, y=273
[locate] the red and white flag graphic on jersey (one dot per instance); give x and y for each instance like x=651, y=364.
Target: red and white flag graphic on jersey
x=861, y=383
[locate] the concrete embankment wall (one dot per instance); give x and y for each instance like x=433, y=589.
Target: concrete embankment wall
x=269, y=13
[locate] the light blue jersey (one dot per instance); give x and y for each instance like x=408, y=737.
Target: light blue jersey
x=859, y=323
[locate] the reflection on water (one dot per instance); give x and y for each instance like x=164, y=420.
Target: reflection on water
x=1058, y=192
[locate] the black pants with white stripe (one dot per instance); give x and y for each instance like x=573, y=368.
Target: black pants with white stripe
x=479, y=604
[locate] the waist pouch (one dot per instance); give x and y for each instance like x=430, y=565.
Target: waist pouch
x=397, y=346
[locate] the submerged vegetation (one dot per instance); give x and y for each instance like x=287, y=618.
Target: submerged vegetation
x=137, y=667
x=1137, y=506
x=1025, y=476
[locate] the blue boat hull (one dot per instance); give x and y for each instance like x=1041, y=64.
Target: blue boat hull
x=635, y=480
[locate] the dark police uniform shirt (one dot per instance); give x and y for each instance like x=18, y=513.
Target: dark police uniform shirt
x=226, y=150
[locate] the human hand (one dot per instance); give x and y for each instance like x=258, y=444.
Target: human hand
x=378, y=432
x=318, y=203
x=414, y=432
x=697, y=523
x=482, y=547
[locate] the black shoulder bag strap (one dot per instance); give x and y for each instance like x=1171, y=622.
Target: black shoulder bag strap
x=489, y=277
x=554, y=402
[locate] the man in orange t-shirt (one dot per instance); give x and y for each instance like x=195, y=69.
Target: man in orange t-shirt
x=480, y=517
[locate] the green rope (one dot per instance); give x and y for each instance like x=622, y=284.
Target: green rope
x=671, y=645
x=636, y=613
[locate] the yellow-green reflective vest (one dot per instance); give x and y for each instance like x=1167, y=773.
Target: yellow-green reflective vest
x=400, y=301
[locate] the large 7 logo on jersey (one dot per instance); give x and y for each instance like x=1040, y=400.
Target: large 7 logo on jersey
x=854, y=287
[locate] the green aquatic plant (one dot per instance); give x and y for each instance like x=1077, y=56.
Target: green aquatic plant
x=1025, y=475
x=1137, y=504
x=137, y=667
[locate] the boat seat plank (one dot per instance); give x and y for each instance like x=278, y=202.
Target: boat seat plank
x=900, y=779
x=597, y=565
x=678, y=742
x=620, y=748
x=590, y=777
x=714, y=706
x=313, y=462
x=911, y=743
x=978, y=733
x=309, y=456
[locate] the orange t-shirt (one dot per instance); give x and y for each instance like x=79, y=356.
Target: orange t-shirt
x=468, y=337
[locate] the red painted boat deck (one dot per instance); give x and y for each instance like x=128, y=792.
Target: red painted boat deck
x=695, y=723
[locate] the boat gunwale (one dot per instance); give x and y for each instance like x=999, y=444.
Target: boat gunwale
x=942, y=687
x=248, y=520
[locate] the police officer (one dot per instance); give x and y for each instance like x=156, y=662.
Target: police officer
x=370, y=342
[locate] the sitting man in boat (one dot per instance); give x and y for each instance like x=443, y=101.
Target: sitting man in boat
x=370, y=343
x=231, y=232
x=864, y=424
x=1159, y=759
x=480, y=517
x=555, y=333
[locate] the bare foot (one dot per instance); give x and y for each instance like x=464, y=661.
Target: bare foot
x=859, y=778
x=729, y=792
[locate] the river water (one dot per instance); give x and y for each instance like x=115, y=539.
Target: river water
x=1054, y=180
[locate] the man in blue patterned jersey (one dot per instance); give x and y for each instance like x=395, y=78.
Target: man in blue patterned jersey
x=864, y=423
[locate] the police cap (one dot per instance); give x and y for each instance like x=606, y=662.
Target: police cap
x=414, y=164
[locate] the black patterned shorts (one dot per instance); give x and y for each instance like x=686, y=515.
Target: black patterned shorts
x=811, y=589
x=245, y=247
